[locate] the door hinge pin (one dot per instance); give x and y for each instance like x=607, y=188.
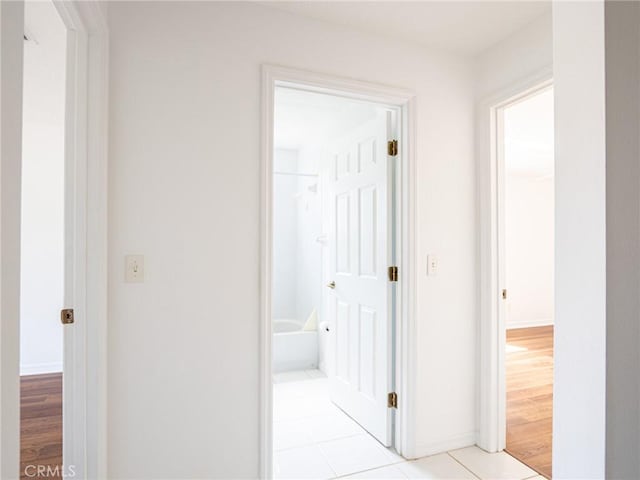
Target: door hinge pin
x=392, y=400
x=392, y=148
x=393, y=274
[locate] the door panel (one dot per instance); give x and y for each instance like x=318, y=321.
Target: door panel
x=367, y=215
x=368, y=324
x=343, y=234
x=359, y=253
x=342, y=327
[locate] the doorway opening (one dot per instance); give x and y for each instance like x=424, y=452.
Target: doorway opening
x=394, y=108
x=42, y=290
x=526, y=271
x=333, y=301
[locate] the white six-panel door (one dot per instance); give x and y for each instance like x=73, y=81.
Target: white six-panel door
x=359, y=254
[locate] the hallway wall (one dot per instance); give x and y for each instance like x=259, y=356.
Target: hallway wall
x=185, y=81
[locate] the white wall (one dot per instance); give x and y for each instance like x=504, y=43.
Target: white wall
x=285, y=244
x=500, y=72
x=596, y=286
x=42, y=249
x=309, y=228
x=523, y=54
x=297, y=256
x=11, y=44
x=622, y=44
x=183, y=356
x=580, y=175
x=529, y=250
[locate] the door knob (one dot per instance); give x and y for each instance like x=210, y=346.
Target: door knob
x=331, y=285
x=66, y=316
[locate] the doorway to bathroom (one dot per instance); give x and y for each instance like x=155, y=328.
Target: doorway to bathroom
x=334, y=283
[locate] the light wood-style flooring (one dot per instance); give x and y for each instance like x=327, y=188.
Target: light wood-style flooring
x=529, y=378
x=40, y=422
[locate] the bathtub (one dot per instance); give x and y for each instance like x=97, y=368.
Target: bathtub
x=293, y=348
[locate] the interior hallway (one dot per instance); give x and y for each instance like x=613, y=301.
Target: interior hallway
x=529, y=370
x=40, y=422
x=315, y=439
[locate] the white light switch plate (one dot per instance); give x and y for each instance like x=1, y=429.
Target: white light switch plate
x=134, y=269
x=432, y=265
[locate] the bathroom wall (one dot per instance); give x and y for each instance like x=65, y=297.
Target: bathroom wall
x=297, y=225
x=285, y=219
x=309, y=250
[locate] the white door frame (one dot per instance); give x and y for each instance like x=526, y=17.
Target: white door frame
x=492, y=332
x=272, y=77
x=85, y=402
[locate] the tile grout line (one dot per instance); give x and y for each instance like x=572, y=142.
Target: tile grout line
x=390, y=456
x=404, y=460
x=535, y=472
x=335, y=474
x=391, y=461
x=305, y=417
x=372, y=469
x=318, y=443
x=463, y=466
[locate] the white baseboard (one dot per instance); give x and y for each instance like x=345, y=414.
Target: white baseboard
x=38, y=368
x=452, y=443
x=538, y=322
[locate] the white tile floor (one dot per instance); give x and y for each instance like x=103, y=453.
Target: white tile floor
x=313, y=439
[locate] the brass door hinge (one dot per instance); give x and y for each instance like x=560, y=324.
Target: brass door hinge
x=66, y=316
x=393, y=274
x=392, y=400
x=392, y=148
x=504, y=294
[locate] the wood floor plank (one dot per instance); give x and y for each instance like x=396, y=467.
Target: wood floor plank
x=40, y=422
x=529, y=379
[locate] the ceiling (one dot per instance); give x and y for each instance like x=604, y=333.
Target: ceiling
x=528, y=134
x=305, y=119
x=464, y=27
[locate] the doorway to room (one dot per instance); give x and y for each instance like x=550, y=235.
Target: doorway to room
x=42, y=262
x=333, y=295
x=526, y=266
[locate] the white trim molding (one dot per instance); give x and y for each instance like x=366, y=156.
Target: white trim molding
x=40, y=368
x=537, y=322
x=86, y=350
x=405, y=374
x=445, y=445
x=492, y=329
